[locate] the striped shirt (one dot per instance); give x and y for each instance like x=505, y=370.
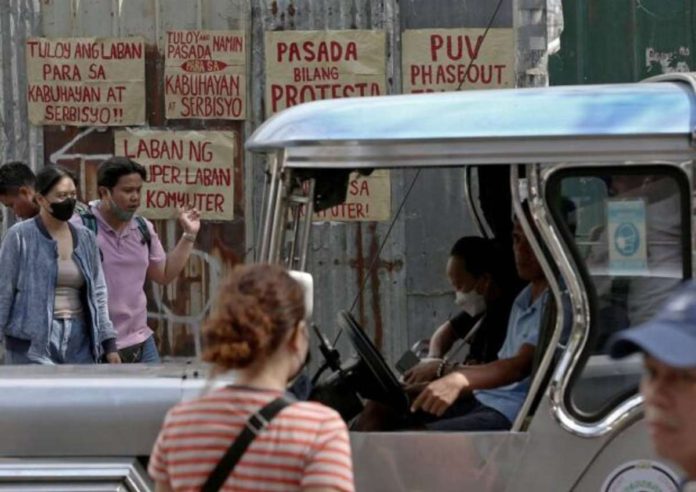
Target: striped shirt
x=305, y=445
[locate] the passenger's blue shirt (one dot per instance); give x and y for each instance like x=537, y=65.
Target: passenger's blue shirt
x=523, y=328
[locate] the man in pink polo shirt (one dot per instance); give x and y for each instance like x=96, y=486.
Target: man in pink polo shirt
x=132, y=253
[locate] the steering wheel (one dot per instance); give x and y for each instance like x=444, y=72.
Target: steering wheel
x=381, y=384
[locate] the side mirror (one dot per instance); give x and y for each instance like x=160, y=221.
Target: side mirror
x=307, y=282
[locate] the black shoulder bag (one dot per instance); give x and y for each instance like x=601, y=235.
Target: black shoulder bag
x=254, y=426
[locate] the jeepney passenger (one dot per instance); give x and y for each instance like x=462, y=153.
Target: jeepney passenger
x=668, y=343
x=485, y=294
x=489, y=396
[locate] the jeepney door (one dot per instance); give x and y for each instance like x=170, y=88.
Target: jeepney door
x=626, y=247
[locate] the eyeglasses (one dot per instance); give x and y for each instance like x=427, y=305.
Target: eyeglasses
x=64, y=195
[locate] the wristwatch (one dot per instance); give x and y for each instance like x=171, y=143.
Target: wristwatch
x=189, y=237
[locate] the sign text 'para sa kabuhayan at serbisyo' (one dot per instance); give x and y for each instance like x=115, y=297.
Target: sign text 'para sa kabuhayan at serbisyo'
x=86, y=81
x=184, y=168
x=304, y=66
x=457, y=59
x=205, y=75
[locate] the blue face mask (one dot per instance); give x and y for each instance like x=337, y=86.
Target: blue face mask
x=118, y=212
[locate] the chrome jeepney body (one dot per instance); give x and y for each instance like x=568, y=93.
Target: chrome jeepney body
x=69, y=428
x=540, y=133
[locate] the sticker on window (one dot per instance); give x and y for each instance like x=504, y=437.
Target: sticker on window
x=627, y=238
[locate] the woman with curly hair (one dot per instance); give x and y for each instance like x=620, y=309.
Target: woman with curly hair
x=258, y=331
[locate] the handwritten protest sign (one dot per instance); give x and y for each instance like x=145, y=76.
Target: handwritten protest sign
x=304, y=66
x=439, y=59
x=205, y=75
x=86, y=81
x=368, y=199
x=183, y=168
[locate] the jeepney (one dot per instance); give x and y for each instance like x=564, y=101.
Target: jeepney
x=606, y=173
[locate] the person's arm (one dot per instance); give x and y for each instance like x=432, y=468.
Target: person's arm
x=105, y=328
x=442, y=340
x=164, y=272
x=439, y=395
x=10, y=261
x=329, y=466
x=440, y=343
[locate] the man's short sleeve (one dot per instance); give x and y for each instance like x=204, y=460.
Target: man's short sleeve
x=531, y=333
x=157, y=253
x=330, y=465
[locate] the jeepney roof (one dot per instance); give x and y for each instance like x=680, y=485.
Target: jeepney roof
x=590, y=123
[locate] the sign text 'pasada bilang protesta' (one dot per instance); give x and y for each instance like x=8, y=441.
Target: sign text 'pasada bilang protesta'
x=304, y=66
x=457, y=59
x=205, y=75
x=86, y=81
x=184, y=168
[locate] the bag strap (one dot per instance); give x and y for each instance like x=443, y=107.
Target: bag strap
x=88, y=220
x=144, y=231
x=254, y=426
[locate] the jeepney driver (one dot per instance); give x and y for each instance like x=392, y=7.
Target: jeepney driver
x=668, y=343
x=489, y=396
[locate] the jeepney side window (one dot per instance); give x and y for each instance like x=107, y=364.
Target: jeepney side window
x=632, y=244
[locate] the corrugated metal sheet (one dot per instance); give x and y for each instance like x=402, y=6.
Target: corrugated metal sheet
x=407, y=295
x=19, y=140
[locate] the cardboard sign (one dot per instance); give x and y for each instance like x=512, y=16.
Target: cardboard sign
x=439, y=59
x=193, y=168
x=304, y=66
x=368, y=199
x=205, y=75
x=627, y=238
x=86, y=81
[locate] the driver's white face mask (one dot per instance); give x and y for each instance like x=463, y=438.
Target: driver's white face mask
x=471, y=302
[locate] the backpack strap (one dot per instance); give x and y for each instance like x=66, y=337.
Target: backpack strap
x=254, y=426
x=144, y=230
x=88, y=220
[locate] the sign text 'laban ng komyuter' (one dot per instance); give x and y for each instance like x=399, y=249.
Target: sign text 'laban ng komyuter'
x=184, y=168
x=86, y=81
x=205, y=75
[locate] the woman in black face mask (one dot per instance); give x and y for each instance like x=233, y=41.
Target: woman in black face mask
x=53, y=307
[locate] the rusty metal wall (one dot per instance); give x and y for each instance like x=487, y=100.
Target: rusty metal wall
x=19, y=140
x=407, y=295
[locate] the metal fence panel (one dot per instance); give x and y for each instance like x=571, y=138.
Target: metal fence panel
x=19, y=19
x=407, y=295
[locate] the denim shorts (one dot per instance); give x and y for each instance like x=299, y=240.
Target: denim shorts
x=69, y=342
